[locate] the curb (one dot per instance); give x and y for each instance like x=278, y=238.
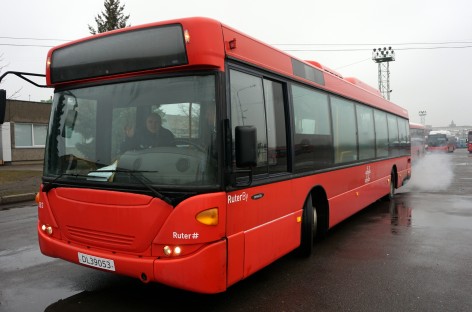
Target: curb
x=11, y=199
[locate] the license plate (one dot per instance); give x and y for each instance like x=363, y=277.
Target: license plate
x=97, y=262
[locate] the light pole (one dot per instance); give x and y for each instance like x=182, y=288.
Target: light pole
x=422, y=117
x=383, y=57
x=242, y=111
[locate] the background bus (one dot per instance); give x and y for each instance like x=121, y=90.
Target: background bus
x=461, y=142
x=418, y=134
x=469, y=141
x=441, y=141
x=270, y=152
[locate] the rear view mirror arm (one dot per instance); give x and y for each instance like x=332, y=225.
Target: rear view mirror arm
x=22, y=76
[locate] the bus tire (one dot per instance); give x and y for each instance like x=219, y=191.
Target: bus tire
x=308, y=228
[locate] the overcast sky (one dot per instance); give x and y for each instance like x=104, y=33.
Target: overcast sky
x=432, y=40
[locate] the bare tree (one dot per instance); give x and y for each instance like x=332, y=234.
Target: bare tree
x=16, y=93
x=2, y=66
x=111, y=18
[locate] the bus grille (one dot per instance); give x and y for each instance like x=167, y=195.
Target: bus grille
x=81, y=234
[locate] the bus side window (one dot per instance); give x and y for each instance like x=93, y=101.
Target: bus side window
x=393, y=140
x=259, y=102
x=276, y=132
x=344, y=130
x=247, y=109
x=381, y=133
x=312, y=138
x=366, y=132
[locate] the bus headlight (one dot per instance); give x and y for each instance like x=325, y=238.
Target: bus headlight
x=167, y=250
x=47, y=229
x=176, y=251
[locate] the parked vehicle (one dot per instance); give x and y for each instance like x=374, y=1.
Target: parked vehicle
x=441, y=141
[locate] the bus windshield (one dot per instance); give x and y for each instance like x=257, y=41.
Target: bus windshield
x=160, y=131
x=435, y=140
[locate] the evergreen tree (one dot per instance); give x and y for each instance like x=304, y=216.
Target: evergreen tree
x=111, y=18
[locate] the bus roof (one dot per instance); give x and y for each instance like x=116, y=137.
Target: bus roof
x=440, y=132
x=414, y=125
x=207, y=44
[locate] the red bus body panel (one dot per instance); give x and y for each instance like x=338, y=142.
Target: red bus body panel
x=442, y=149
x=257, y=225
x=262, y=226
x=132, y=229
x=210, y=43
x=350, y=190
x=253, y=51
x=207, y=266
x=121, y=221
x=204, y=50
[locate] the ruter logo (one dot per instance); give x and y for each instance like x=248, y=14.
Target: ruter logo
x=367, y=174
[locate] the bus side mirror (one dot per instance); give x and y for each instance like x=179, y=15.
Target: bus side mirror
x=246, y=146
x=3, y=105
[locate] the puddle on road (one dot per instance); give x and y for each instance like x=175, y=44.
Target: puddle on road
x=400, y=215
x=22, y=258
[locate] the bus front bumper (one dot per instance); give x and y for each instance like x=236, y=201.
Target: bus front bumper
x=203, y=271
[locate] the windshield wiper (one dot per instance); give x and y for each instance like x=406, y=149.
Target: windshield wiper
x=144, y=181
x=50, y=185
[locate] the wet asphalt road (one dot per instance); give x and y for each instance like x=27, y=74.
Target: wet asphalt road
x=413, y=254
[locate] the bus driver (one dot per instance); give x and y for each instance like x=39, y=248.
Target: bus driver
x=153, y=135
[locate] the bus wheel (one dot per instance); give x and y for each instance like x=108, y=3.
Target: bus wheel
x=308, y=229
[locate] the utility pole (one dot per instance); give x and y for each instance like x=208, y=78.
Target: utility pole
x=383, y=57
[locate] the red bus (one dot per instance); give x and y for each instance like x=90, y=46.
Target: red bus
x=268, y=153
x=469, y=141
x=418, y=136
x=441, y=141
